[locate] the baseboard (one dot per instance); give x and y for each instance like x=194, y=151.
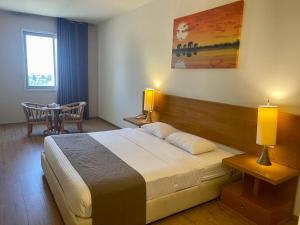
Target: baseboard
x=97, y=117
x=12, y=123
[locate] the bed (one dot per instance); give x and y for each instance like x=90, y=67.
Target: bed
x=175, y=179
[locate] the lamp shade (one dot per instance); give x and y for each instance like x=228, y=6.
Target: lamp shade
x=149, y=99
x=267, y=125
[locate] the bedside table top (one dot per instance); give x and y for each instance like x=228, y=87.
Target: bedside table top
x=136, y=121
x=274, y=174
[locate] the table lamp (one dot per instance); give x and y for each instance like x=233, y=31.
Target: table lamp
x=266, y=131
x=149, y=103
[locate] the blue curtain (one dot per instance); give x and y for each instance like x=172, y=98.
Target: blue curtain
x=72, y=61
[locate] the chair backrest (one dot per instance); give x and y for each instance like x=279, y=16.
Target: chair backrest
x=81, y=106
x=76, y=108
x=33, y=111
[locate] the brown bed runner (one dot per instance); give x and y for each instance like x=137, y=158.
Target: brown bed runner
x=118, y=191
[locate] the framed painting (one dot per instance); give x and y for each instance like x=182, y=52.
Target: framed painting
x=208, y=39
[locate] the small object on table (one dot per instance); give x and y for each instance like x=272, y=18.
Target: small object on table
x=53, y=105
x=138, y=121
x=265, y=195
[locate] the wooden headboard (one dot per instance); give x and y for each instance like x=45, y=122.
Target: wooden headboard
x=230, y=125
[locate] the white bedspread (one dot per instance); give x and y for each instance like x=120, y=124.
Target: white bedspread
x=165, y=168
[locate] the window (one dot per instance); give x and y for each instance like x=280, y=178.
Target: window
x=40, y=60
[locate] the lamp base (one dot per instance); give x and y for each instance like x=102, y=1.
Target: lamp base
x=149, y=117
x=264, y=157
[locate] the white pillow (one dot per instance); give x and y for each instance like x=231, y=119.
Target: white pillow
x=159, y=129
x=191, y=143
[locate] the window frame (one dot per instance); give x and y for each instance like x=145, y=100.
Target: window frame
x=40, y=34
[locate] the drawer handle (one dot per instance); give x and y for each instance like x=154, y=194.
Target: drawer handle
x=242, y=206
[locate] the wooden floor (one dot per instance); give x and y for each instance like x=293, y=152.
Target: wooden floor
x=25, y=198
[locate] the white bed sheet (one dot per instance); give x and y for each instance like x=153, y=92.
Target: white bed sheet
x=165, y=168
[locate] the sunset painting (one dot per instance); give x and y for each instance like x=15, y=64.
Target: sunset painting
x=209, y=39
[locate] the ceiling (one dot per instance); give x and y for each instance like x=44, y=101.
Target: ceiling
x=91, y=11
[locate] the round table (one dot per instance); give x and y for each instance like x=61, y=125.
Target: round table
x=55, y=111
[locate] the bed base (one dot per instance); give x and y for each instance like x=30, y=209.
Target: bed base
x=156, y=209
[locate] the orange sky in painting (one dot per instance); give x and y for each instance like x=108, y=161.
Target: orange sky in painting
x=214, y=26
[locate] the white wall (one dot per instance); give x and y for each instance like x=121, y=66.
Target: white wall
x=93, y=70
x=135, y=52
x=12, y=68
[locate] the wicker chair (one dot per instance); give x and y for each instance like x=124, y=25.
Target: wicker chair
x=72, y=113
x=35, y=114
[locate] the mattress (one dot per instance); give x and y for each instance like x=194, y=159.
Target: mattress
x=165, y=168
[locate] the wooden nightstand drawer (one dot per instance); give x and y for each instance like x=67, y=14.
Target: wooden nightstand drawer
x=257, y=214
x=265, y=195
x=262, y=209
x=232, y=197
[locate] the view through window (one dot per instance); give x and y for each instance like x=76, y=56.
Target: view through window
x=40, y=53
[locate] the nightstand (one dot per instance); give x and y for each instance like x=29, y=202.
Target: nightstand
x=136, y=121
x=265, y=195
